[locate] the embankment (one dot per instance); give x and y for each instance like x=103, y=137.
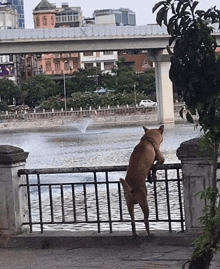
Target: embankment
x=97, y=118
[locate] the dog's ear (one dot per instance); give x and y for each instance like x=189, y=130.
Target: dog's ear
x=161, y=128
x=145, y=129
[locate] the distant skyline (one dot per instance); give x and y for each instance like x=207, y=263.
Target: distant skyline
x=142, y=8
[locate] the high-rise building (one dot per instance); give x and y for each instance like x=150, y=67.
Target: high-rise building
x=19, y=5
x=122, y=16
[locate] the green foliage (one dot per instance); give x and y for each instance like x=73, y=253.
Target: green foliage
x=37, y=89
x=42, y=91
x=208, y=242
x=125, y=76
x=195, y=73
x=82, y=80
x=94, y=100
x=53, y=102
x=195, y=69
x=3, y=106
x=8, y=92
x=123, y=80
x=146, y=83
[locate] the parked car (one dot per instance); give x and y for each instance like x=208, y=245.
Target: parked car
x=147, y=103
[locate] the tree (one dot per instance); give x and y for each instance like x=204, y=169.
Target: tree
x=146, y=83
x=37, y=89
x=195, y=73
x=8, y=92
x=83, y=80
x=125, y=76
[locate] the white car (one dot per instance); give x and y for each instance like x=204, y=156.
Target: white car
x=147, y=103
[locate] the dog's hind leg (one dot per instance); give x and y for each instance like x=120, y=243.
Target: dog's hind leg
x=144, y=206
x=130, y=206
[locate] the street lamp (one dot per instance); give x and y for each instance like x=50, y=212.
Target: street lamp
x=64, y=85
x=135, y=95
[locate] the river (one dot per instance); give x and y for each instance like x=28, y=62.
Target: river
x=93, y=147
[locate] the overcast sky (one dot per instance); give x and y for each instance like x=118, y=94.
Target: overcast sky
x=142, y=8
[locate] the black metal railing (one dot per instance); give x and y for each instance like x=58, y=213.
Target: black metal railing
x=82, y=198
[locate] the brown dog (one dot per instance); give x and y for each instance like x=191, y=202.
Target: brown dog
x=141, y=161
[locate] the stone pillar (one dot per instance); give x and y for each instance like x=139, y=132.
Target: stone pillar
x=164, y=86
x=197, y=175
x=13, y=198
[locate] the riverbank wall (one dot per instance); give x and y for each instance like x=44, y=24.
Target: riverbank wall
x=95, y=118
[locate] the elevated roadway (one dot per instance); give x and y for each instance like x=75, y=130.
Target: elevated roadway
x=78, y=39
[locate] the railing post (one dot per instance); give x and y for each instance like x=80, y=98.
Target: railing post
x=13, y=205
x=197, y=176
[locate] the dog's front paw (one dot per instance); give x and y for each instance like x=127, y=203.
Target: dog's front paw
x=149, y=178
x=152, y=176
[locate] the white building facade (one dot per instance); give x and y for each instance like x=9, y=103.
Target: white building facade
x=103, y=60
x=8, y=63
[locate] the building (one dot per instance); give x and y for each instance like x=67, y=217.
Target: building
x=138, y=60
x=119, y=17
x=105, y=17
x=8, y=16
x=44, y=15
x=68, y=16
x=9, y=63
x=47, y=15
x=19, y=5
x=102, y=60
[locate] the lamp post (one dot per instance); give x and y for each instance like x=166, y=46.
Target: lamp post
x=64, y=85
x=135, y=95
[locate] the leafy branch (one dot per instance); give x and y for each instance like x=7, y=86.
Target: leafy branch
x=195, y=73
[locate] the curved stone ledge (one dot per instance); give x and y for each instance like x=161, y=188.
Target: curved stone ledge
x=11, y=155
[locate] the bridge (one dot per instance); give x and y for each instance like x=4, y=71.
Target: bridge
x=78, y=39
x=150, y=38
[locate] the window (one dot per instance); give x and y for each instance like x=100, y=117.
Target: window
x=75, y=64
x=88, y=53
x=52, y=20
x=64, y=18
x=48, y=66
x=88, y=65
x=44, y=20
x=70, y=18
x=37, y=21
x=57, y=66
x=108, y=52
x=75, y=18
x=66, y=65
x=108, y=65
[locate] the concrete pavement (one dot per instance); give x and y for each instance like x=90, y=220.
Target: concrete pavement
x=101, y=251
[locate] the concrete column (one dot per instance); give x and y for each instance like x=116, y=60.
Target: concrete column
x=197, y=174
x=13, y=198
x=164, y=86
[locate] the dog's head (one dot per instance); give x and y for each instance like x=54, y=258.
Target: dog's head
x=156, y=134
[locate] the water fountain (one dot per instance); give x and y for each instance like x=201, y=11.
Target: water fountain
x=82, y=125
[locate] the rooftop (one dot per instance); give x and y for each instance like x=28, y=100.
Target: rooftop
x=44, y=5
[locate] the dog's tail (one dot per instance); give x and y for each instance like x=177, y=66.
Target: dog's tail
x=126, y=187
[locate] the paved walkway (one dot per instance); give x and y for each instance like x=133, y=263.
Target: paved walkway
x=168, y=251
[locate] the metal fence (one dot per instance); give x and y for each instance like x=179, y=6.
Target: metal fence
x=92, y=198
